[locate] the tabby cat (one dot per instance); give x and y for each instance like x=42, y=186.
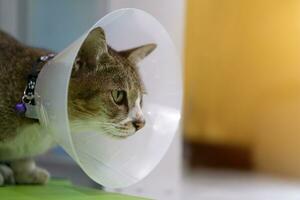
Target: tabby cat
x=105, y=87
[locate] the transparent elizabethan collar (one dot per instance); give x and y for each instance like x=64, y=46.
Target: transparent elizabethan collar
x=109, y=161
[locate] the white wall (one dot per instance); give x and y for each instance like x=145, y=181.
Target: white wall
x=57, y=23
x=9, y=17
x=49, y=24
x=169, y=12
x=164, y=181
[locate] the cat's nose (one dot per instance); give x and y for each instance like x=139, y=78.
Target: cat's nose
x=138, y=124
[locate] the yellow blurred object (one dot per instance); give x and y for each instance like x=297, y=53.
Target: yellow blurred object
x=242, y=77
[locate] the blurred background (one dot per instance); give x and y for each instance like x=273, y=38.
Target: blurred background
x=240, y=136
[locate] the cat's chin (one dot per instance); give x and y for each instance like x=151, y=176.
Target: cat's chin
x=122, y=135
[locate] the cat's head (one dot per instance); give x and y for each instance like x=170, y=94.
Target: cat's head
x=106, y=88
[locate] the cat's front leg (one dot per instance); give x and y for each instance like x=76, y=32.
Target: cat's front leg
x=6, y=175
x=26, y=172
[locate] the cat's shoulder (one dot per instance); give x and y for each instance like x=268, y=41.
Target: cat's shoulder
x=6, y=39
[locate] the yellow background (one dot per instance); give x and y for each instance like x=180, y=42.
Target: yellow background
x=242, y=78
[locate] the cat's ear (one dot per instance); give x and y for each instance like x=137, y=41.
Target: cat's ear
x=91, y=50
x=138, y=53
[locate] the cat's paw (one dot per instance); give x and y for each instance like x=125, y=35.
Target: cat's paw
x=6, y=175
x=35, y=176
x=1, y=180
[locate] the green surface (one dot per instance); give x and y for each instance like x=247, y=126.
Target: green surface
x=58, y=190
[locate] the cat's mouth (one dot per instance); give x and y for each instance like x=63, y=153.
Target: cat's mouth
x=124, y=131
x=122, y=135
x=116, y=130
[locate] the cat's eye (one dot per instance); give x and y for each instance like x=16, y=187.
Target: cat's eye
x=118, y=96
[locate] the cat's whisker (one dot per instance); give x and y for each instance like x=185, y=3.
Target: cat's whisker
x=104, y=127
x=85, y=124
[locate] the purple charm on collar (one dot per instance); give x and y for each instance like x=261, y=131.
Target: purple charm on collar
x=20, y=108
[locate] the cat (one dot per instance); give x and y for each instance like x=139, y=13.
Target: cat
x=105, y=87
